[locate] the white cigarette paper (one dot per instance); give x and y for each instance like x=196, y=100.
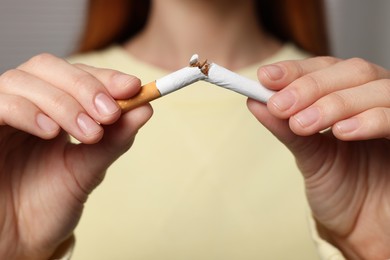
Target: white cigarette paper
x=163, y=86
x=225, y=78
x=196, y=71
x=179, y=79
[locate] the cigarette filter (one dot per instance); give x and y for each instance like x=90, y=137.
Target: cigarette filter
x=147, y=93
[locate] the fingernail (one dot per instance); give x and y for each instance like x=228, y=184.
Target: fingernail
x=308, y=116
x=46, y=123
x=274, y=72
x=283, y=100
x=349, y=125
x=105, y=105
x=87, y=125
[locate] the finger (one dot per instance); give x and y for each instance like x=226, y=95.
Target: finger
x=278, y=75
x=97, y=157
x=340, y=105
x=370, y=124
x=302, y=147
x=304, y=91
x=118, y=84
x=53, y=102
x=21, y=114
x=279, y=127
x=88, y=90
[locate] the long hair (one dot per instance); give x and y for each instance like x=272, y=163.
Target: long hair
x=300, y=21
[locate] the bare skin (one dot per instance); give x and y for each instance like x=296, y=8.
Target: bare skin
x=346, y=169
x=201, y=23
x=339, y=193
x=45, y=178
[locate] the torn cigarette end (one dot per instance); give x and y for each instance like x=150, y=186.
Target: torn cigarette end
x=167, y=84
x=203, y=66
x=147, y=93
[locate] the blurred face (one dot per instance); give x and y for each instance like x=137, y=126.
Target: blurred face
x=205, y=1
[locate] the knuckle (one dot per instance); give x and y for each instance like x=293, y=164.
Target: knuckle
x=383, y=119
x=79, y=65
x=297, y=66
x=311, y=84
x=357, y=61
x=325, y=60
x=10, y=77
x=112, y=74
x=13, y=105
x=328, y=60
x=363, y=67
x=61, y=102
x=123, y=79
x=84, y=67
x=294, y=67
x=84, y=81
x=384, y=88
x=42, y=58
x=339, y=102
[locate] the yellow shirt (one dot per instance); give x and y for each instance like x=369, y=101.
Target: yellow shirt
x=203, y=180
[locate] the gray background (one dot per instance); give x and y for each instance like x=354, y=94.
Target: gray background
x=356, y=28
x=29, y=27
x=360, y=28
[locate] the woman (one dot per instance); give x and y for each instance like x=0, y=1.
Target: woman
x=199, y=188
x=185, y=190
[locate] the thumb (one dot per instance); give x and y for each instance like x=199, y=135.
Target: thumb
x=302, y=147
x=88, y=162
x=279, y=127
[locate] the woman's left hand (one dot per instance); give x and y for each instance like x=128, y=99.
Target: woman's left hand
x=334, y=115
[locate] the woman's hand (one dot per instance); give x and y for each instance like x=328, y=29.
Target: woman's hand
x=334, y=115
x=44, y=177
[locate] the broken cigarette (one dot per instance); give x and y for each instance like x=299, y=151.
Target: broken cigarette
x=147, y=93
x=196, y=71
x=163, y=86
x=225, y=78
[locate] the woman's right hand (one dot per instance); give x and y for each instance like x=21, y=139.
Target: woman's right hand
x=46, y=178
